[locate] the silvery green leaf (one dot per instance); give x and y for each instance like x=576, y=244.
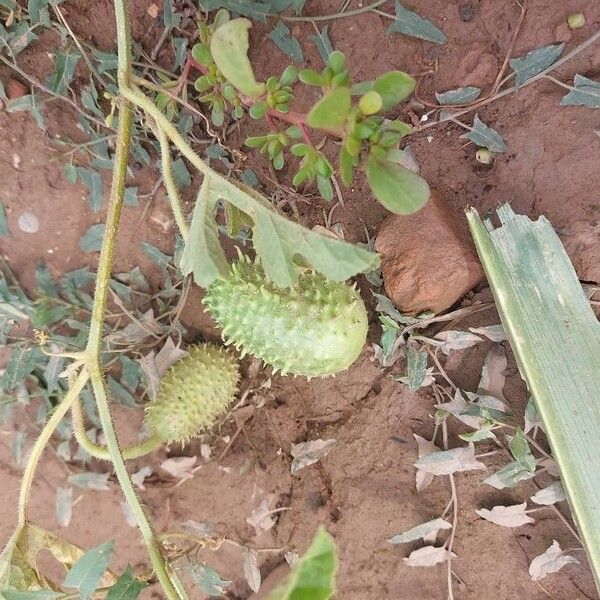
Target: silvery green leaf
x=249, y=178
x=90, y=480
x=180, y=45
x=508, y=476
x=462, y=95
x=64, y=505
x=507, y=516
x=91, y=240
x=207, y=579
x=170, y=17
x=420, y=531
x=428, y=556
x=308, y=453
x=4, y=231
x=416, y=367
x=160, y=258
x=520, y=450
x=550, y=494
x=586, y=93
x=532, y=417
x=410, y=23
x=457, y=408
x=121, y=393
x=384, y=305
x=323, y=43
x=17, y=446
x=127, y=587
x=286, y=42
x=251, y=570
x=181, y=173
x=456, y=340
x=447, y=462
x=534, y=62
x=93, y=181
x=477, y=436
x=550, y=561
x=485, y=137
x=495, y=333
x=130, y=197
x=64, y=71
x=424, y=448
x=86, y=573
x=21, y=363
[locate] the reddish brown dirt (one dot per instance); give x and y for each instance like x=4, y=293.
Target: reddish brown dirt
x=364, y=490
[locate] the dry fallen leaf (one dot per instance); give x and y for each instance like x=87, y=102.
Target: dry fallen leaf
x=492, y=374
x=179, y=466
x=551, y=561
x=261, y=518
x=457, y=340
x=428, y=556
x=251, y=570
x=507, y=516
x=550, y=494
x=168, y=355
x=308, y=453
x=424, y=448
x=139, y=477
x=457, y=407
x=447, y=462
x=495, y=333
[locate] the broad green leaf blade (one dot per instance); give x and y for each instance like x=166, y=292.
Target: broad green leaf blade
x=4, y=231
x=127, y=587
x=93, y=181
x=91, y=241
x=277, y=241
x=286, y=42
x=21, y=363
x=461, y=95
x=586, y=93
x=485, y=136
x=313, y=576
x=534, y=62
x=410, y=23
x=207, y=579
x=323, y=43
x=393, y=87
x=60, y=80
x=556, y=340
x=87, y=572
x=229, y=47
x=331, y=111
x=401, y=191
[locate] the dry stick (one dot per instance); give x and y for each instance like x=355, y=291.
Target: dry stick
x=332, y=17
x=595, y=37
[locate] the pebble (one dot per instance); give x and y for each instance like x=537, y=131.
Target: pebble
x=428, y=259
x=28, y=222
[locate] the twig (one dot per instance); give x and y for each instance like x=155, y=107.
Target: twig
x=338, y=15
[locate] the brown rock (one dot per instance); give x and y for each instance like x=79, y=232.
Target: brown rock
x=15, y=89
x=428, y=259
x=477, y=67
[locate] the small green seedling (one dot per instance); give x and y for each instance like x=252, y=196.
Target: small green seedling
x=350, y=113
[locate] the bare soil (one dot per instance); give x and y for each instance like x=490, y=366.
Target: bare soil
x=363, y=491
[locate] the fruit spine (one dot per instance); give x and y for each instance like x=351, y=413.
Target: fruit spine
x=315, y=328
x=193, y=393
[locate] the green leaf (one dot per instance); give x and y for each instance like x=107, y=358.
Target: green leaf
x=21, y=363
x=207, y=579
x=485, y=136
x=229, y=47
x=393, y=87
x=120, y=393
x=462, y=95
x=278, y=241
x=27, y=103
x=181, y=173
x=108, y=61
x=555, y=337
x=331, y=111
x=410, y=23
x=534, y=62
x=586, y=93
x=170, y=18
x=130, y=197
x=91, y=240
x=401, y=191
x=157, y=256
x=416, y=367
x=38, y=12
x=4, y=231
x=286, y=42
x=60, y=80
x=313, y=576
x=86, y=573
x=127, y=587
x=37, y=595
x=93, y=181
x=323, y=43
x=520, y=450
x=45, y=280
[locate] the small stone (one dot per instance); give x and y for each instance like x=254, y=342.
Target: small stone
x=427, y=258
x=28, y=223
x=15, y=89
x=576, y=20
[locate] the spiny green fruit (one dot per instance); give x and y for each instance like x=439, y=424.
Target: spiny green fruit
x=193, y=393
x=315, y=328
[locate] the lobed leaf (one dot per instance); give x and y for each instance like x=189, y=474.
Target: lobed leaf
x=286, y=42
x=410, y=23
x=462, y=95
x=87, y=572
x=534, y=62
x=586, y=93
x=485, y=136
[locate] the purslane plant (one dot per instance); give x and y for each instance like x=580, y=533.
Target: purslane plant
x=351, y=114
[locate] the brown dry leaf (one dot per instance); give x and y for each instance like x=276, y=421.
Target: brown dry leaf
x=308, y=453
x=261, y=518
x=457, y=340
x=168, y=355
x=251, y=570
x=428, y=556
x=179, y=466
x=551, y=561
x=507, y=516
x=447, y=462
x=492, y=374
x=424, y=448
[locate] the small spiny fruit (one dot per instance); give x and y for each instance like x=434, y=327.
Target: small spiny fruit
x=315, y=328
x=193, y=393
